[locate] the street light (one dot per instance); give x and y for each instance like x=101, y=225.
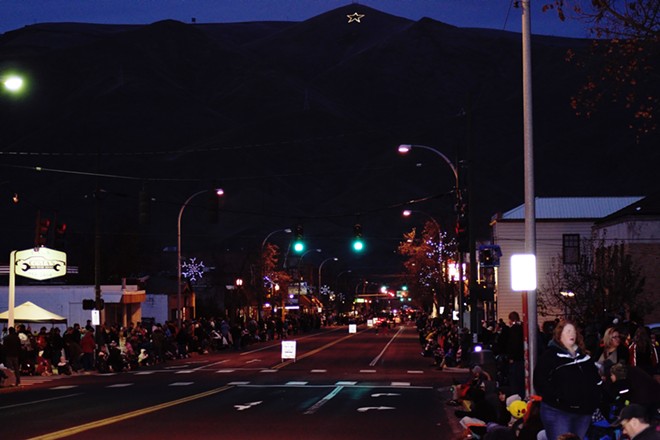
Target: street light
x=12, y=83
x=299, y=270
x=321, y=267
x=409, y=212
x=566, y=294
x=219, y=192
x=263, y=274
x=263, y=243
x=404, y=149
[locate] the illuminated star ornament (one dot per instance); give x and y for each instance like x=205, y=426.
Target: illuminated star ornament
x=193, y=269
x=355, y=17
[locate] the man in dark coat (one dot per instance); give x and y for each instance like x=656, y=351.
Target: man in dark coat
x=515, y=352
x=12, y=345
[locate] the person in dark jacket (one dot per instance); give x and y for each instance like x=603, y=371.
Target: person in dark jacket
x=634, y=385
x=12, y=346
x=515, y=352
x=567, y=379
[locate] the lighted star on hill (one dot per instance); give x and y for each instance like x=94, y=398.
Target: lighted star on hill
x=355, y=17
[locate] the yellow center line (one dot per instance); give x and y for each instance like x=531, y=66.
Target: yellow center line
x=121, y=417
x=313, y=352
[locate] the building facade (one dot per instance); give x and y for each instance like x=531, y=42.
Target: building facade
x=562, y=226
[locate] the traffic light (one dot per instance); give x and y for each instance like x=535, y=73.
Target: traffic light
x=358, y=243
x=489, y=255
x=60, y=232
x=298, y=242
x=88, y=304
x=41, y=235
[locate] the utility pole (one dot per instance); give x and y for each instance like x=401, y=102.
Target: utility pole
x=529, y=298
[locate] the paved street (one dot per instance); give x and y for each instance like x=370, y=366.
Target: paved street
x=353, y=386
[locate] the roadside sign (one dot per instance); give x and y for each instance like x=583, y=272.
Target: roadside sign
x=289, y=350
x=40, y=263
x=352, y=328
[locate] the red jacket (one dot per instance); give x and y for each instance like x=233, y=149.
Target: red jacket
x=87, y=343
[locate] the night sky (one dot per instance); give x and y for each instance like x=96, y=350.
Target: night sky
x=494, y=14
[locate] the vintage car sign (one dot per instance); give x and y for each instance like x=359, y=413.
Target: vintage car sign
x=40, y=263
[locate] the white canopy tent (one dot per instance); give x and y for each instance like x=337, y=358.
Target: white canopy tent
x=30, y=313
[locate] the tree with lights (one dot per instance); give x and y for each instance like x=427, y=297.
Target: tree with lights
x=622, y=65
x=426, y=256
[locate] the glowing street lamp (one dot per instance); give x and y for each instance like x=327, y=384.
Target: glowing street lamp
x=13, y=83
x=219, y=192
x=321, y=267
x=404, y=149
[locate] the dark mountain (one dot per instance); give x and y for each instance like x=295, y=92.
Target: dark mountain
x=299, y=122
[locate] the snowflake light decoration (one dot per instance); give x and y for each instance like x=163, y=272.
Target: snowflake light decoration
x=192, y=269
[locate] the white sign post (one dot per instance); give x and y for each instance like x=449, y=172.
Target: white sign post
x=38, y=264
x=289, y=350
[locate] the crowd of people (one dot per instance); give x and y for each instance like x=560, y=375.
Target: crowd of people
x=113, y=348
x=586, y=386
x=594, y=387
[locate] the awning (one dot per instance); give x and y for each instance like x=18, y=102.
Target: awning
x=112, y=298
x=134, y=297
x=126, y=297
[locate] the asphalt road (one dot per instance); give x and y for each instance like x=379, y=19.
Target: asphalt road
x=344, y=385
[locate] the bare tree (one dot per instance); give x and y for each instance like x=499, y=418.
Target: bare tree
x=605, y=282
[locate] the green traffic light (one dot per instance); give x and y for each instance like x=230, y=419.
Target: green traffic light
x=358, y=245
x=299, y=246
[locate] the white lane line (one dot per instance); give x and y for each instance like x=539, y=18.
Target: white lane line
x=345, y=383
x=400, y=384
x=226, y=370
x=144, y=373
x=312, y=409
x=64, y=387
x=382, y=352
x=296, y=383
x=319, y=371
x=238, y=383
x=268, y=371
x=367, y=371
x=180, y=384
x=32, y=402
x=120, y=385
x=184, y=372
x=210, y=365
x=415, y=372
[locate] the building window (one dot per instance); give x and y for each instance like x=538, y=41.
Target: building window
x=571, y=248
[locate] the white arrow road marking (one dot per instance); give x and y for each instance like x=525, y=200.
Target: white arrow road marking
x=378, y=408
x=385, y=394
x=247, y=405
